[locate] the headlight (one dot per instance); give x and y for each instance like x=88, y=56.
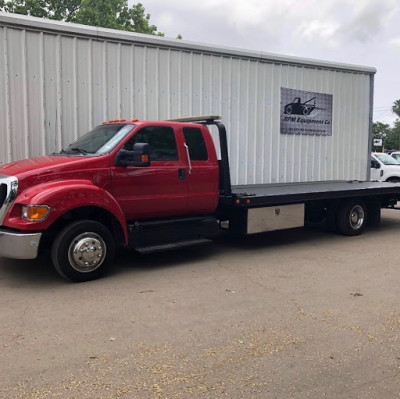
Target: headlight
x=35, y=213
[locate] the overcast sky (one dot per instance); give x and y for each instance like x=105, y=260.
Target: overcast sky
x=362, y=32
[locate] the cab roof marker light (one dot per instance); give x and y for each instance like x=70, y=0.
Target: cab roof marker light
x=114, y=121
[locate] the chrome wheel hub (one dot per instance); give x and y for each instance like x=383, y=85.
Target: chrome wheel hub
x=356, y=217
x=87, y=252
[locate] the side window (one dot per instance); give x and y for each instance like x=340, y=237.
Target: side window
x=195, y=141
x=161, y=140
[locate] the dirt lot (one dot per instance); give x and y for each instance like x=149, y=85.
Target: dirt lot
x=299, y=314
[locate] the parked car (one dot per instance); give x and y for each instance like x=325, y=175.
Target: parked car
x=384, y=167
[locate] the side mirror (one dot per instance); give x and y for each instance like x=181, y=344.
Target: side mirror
x=140, y=156
x=375, y=164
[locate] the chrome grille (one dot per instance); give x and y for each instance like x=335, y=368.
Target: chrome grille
x=8, y=193
x=3, y=193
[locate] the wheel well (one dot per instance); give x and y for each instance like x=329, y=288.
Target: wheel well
x=86, y=212
x=319, y=210
x=393, y=179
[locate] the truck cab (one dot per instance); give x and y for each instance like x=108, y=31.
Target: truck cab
x=114, y=186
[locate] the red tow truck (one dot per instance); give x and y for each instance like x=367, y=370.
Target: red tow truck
x=157, y=185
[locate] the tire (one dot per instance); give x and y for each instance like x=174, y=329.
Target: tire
x=351, y=218
x=83, y=251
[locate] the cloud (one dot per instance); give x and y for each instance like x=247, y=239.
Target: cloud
x=395, y=43
x=369, y=20
x=317, y=31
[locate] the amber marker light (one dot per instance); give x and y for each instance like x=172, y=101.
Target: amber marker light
x=35, y=213
x=145, y=158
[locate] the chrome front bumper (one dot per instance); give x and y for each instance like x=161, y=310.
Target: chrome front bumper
x=19, y=245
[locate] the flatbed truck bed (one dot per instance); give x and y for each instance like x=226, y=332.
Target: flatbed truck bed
x=344, y=206
x=291, y=193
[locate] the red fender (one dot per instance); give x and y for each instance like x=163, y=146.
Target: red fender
x=62, y=196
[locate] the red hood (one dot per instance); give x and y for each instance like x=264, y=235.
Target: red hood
x=53, y=167
x=43, y=164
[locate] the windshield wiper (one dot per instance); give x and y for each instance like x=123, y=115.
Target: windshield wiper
x=76, y=149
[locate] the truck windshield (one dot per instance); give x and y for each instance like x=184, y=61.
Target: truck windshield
x=101, y=140
x=387, y=159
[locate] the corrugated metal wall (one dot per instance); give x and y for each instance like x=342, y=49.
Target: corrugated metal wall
x=58, y=81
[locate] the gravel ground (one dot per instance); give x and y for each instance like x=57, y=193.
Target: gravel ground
x=291, y=314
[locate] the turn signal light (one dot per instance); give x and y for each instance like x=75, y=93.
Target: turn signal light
x=35, y=213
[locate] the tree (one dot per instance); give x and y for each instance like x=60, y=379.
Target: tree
x=114, y=14
x=396, y=132
x=388, y=135
x=396, y=108
x=380, y=130
x=52, y=9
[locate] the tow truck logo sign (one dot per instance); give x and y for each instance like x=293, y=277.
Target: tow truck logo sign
x=305, y=112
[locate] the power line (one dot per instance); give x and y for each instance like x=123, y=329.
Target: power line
x=384, y=115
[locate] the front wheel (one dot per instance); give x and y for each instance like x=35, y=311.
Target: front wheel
x=83, y=250
x=351, y=217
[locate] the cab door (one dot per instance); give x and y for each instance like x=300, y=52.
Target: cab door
x=159, y=190
x=203, y=171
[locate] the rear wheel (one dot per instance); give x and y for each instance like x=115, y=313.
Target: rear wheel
x=83, y=250
x=351, y=217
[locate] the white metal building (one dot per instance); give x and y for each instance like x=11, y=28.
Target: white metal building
x=58, y=80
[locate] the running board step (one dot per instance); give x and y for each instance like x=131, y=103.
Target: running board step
x=173, y=245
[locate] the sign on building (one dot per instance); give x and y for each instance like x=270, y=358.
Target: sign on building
x=305, y=112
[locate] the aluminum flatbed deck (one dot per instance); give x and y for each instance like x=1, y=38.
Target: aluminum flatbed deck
x=289, y=193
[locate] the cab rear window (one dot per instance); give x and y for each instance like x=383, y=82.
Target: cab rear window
x=195, y=141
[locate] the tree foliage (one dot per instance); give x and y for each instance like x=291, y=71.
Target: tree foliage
x=113, y=14
x=385, y=132
x=396, y=108
x=390, y=135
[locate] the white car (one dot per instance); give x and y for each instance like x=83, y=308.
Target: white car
x=384, y=168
